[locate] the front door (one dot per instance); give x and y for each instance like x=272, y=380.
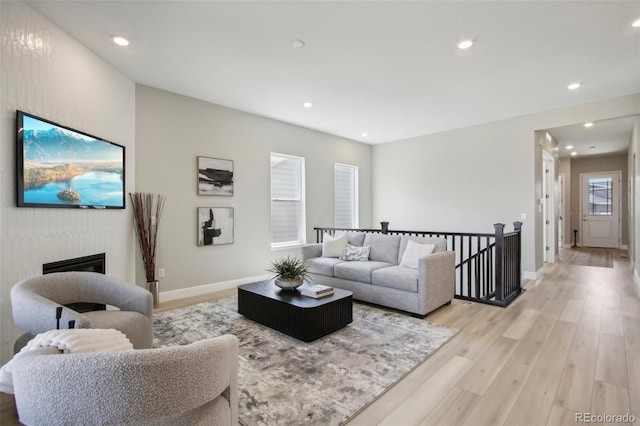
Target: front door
x=600, y=196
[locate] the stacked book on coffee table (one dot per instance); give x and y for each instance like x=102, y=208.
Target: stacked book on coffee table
x=317, y=291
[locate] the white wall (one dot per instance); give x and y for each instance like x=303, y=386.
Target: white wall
x=49, y=74
x=468, y=179
x=173, y=130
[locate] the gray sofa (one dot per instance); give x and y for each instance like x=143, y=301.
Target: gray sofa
x=382, y=279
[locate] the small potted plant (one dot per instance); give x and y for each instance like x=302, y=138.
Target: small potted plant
x=289, y=273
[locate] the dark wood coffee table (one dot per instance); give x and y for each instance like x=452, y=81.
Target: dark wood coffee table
x=290, y=312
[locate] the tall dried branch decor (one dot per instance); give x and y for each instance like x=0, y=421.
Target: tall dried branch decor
x=147, y=209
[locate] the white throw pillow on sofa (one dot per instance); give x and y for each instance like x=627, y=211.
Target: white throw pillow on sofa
x=413, y=252
x=333, y=246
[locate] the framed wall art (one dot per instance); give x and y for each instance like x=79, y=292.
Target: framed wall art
x=215, y=176
x=215, y=226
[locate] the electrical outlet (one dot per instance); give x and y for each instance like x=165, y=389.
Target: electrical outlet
x=523, y=216
x=160, y=272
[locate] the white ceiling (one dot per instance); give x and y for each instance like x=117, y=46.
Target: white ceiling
x=603, y=138
x=388, y=68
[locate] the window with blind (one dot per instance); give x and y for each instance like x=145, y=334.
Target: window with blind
x=345, y=195
x=287, y=200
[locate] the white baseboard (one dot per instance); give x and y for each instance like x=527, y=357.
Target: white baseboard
x=624, y=247
x=636, y=276
x=183, y=293
x=529, y=275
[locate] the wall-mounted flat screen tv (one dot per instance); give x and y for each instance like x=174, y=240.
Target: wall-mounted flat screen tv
x=61, y=167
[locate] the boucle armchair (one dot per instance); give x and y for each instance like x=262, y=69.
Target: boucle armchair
x=195, y=384
x=34, y=302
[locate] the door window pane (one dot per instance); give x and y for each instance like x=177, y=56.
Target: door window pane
x=600, y=195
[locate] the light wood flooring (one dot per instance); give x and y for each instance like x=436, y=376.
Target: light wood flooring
x=570, y=344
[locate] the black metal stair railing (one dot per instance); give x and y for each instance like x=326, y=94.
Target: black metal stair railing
x=488, y=266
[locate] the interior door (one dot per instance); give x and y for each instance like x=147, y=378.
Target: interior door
x=548, y=210
x=561, y=213
x=600, y=194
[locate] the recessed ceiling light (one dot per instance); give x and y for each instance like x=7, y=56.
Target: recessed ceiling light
x=297, y=43
x=365, y=134
x=589, y=124
x=574, y=153
x=592, y=147
x=574, y=86
x=120, y=41
x=569, y=146
x=307, y=104
x=636, y=23
x=465, y=44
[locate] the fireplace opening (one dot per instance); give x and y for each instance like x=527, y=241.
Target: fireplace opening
x=93, y=263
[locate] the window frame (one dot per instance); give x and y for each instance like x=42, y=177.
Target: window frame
x=355, y=219
x=301, y=199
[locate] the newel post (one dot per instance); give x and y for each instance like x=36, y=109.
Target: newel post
x=517, y=226
x=385, y=227
x=499, y=259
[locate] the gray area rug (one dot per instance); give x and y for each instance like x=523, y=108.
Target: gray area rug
x=284, y=381
x=586, y=256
